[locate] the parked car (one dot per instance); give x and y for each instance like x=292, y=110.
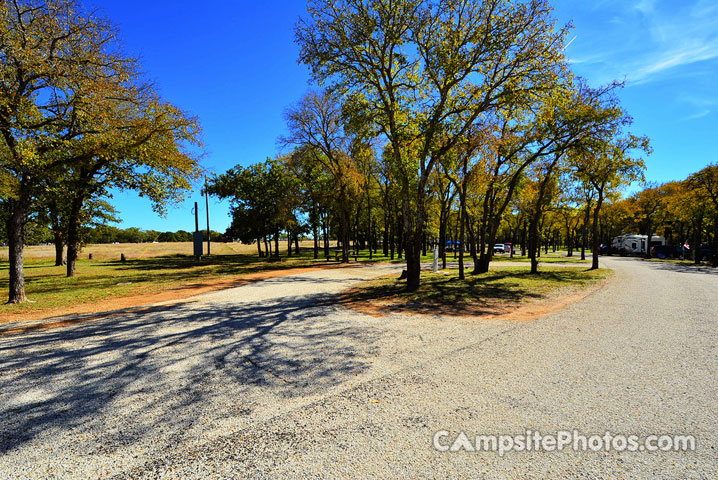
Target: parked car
x=499, y=248
x=667, y=251
x=452, y=246
x=705, y=254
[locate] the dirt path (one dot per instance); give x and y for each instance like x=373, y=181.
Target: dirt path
x=183, y=293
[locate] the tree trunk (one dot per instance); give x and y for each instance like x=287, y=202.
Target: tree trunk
x=16, y=238
x=584, y=230
x=289, y=243
x=697, y=240
x=370, y=240
x=456, y=238
x=462, y=221
x=259, y=247
x=376, y=238
x=486, y=256
x=385, y=237
x=392, y=243
x=59, y=241
x=596, y=238
x=647, y=254
x=534, y=241
x=276, y=243
x=356, y=231
x=57, y=233
x=73, y=235
x=412, y=231
x=400, y=237
x=483, y=249
x=442, y=237
x=412, y=251
x=370, y=231
x=472, y=245
x=315, y=234
x=326, y=236
x=345, y=234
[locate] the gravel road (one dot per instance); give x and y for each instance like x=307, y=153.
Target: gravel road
x=275, y=380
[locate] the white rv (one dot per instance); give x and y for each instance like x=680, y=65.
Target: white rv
x=635, y=244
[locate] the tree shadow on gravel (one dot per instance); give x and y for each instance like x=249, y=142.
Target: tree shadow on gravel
x=162, y=369
x=684, y=268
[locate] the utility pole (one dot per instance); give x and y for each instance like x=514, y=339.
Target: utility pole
x=206, y=199
x=197, y=236
x=196, y=218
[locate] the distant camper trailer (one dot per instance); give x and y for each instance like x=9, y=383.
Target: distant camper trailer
x=635, y=244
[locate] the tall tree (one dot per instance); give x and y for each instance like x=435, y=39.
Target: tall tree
x=650, y=203
x=606, y=164
x=428, y=70
x=315, y=186
x=48, y=50
x=263, y=200
x=72, y=99
x=706, y=182
x=316, y=124
x=141, y=143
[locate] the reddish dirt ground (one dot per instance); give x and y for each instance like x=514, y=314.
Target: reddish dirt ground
x=488, y=310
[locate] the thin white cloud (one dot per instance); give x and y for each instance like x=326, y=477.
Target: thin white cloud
x=702, y=105
x=696, y=116
x=678, y=38
x=705, y=8
x=648, y=40
x=677, y=57
x=594, y=58
x=646, y=6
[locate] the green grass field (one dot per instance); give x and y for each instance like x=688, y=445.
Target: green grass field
x=153, y=268
x=48, y=288
x=149, y=269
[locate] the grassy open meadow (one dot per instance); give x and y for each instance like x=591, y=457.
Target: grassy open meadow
x=150, y=269
x=111, y=252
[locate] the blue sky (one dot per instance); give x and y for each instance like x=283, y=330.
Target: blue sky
x=233, y=63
